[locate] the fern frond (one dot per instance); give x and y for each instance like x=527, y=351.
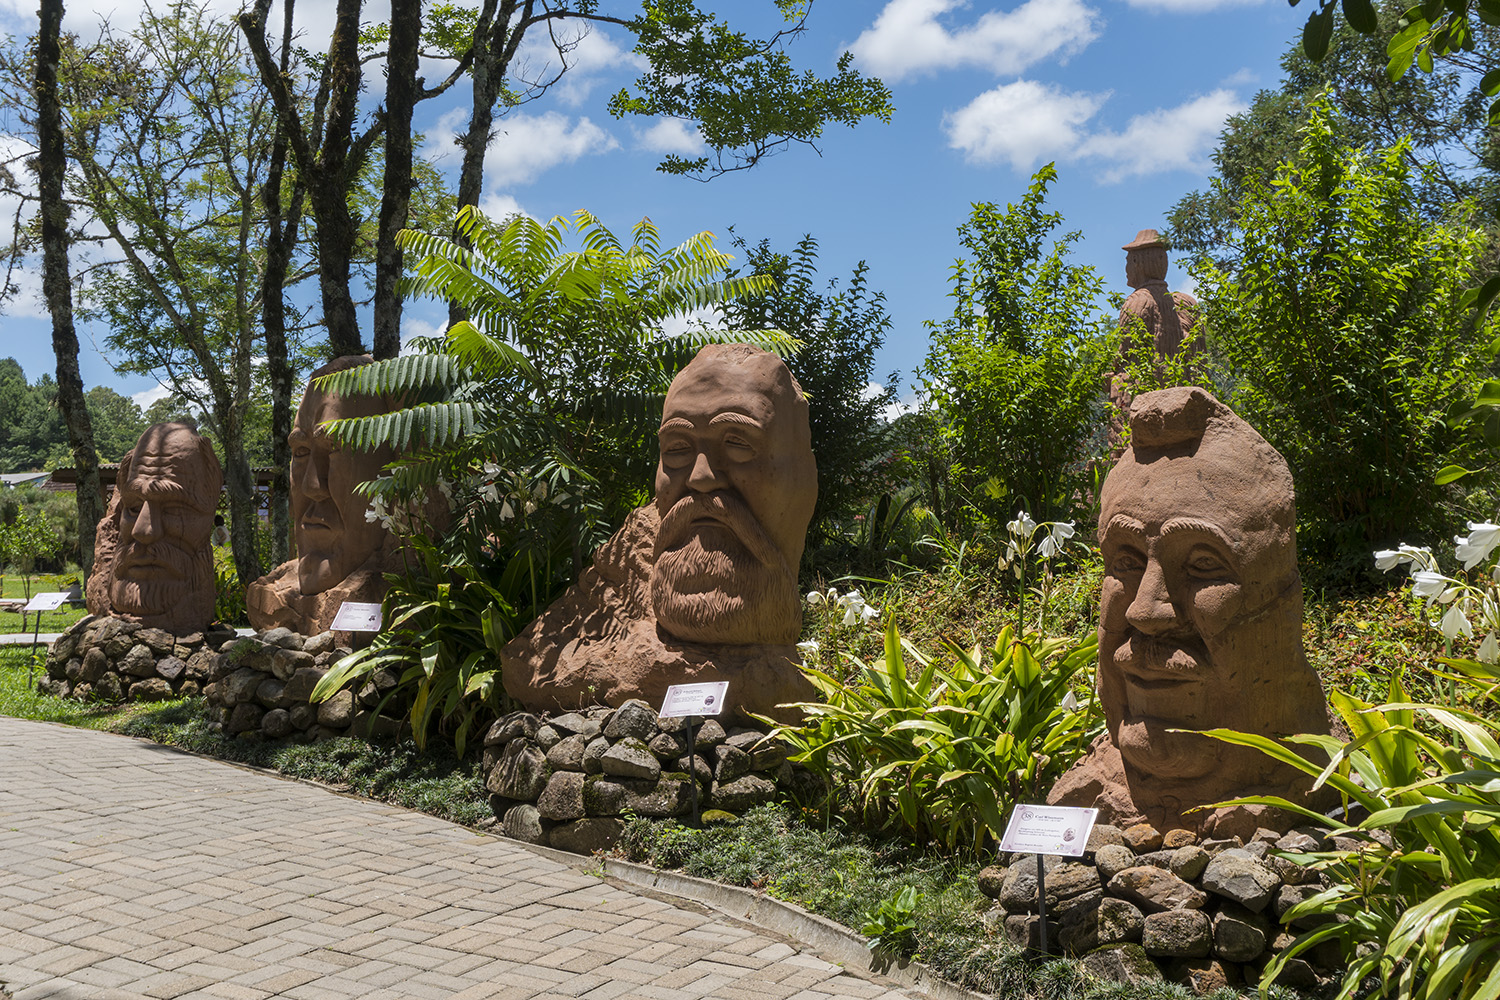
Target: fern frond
x=432, y=425
x=393, y=376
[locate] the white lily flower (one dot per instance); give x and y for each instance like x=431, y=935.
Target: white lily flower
x=1455, y=623
x=809, y=647
x=1483, y=539
x=507, y=511
x=1022, y=526
x=1419, y=556
x=1070, y=702
x=851, y=616
x=869, y=613
x=371, y=515
x=1388, y=559
x=814, y=598
x=1447, y=596
x=1489, y=649
x=1062, y=531
x=1426, y=583
x=1048, y=548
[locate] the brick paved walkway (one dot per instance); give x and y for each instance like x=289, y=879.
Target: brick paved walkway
x=128, y=870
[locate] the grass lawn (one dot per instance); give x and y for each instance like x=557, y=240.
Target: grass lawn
x=13, y=585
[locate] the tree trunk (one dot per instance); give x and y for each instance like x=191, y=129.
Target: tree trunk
x=51, y=166
x=401, y=86
x=488, y=72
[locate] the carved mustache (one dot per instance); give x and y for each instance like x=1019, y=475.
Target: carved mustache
x=177, y=561
x=726, y=508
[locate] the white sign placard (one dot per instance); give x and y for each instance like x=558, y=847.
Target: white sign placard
x=355, y=616
x=46, y=602
x=694, y=699
x=1060, y=830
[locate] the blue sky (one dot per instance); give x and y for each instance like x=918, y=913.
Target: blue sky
x=1127, y=96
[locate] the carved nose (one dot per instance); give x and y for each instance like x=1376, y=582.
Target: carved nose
x=703, y=478
x=313, y=485
x=1152, y=610
x=148, y=526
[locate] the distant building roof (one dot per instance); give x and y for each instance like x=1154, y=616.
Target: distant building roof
x=8, y=479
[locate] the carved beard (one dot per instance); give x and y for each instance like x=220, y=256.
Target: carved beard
x=187, y=573
x=719, y=578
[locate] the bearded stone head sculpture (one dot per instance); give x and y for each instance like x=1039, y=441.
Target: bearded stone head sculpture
x=735, y=488
x=1200, y=618
x=153, y=562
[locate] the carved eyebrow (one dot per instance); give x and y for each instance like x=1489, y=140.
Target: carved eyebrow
x=675, y=424
x=731, y=417
x=1124, y=522
x=1202, y=527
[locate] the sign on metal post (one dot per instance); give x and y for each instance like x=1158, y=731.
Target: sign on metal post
x=356, y=616
x=1043, y=830
x=49, y=601
x=689, y=701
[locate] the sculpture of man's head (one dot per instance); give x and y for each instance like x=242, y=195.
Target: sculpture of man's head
x=1200, y=615
x=153, y=543
x=735, y=488
x=1145, y=259
x=333, y=536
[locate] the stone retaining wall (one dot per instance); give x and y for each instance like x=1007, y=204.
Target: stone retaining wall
x=566, y=780
x=1142, y=905
x=260, y=688
x=111, y=659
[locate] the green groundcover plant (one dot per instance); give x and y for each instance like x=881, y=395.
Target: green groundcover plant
x=942, y=750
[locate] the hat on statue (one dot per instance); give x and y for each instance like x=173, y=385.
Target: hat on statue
x=1146, y=239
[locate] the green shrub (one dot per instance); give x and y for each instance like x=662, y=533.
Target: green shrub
x=945, y=753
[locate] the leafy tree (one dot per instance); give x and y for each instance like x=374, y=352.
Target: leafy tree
x=1346, y=325
x=117, y=421
x=32, y=435
x=1441, y=114
x=1015, y=373
x=840, y=332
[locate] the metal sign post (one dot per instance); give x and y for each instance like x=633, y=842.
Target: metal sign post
x=689, y=701
x=1044, y=830
x=40, y=602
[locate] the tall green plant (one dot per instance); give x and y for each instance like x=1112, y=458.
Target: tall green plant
x=1015, y=372
x=943, y=750
x=1346, y=326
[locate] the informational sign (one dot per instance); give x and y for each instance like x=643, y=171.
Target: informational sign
x=1062, y=830
x=694, y=699
x=46, y=602
x=355, y=616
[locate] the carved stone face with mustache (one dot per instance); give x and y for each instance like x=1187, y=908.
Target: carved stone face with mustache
x=1200, y=615
x=735, y=488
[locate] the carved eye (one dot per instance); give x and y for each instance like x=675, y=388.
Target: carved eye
x=738, y=447
x=677, y=454
x=1205, y=564
x=1127, y=560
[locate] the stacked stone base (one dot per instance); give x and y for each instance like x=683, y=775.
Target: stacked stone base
x=567, y=780
x=110, y=659
x=1141, y=905
x=261, y=685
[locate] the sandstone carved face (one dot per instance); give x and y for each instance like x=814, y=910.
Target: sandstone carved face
x=735, y=488
x=154, y=545
x=333, y=536
x=1201, y=606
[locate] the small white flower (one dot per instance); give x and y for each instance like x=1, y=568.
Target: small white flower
x=371, y=515
x=869, y=613
x=851, y=616
x=1455, y=623
x=506, y=511
x=1489, y=649
x=1070, y=702
x=1062, y=531
x=1023, y=526
x=1447, y=596
x=809, y=647
x=814, y=598
x=1428, y=584
x=1387, y=559
x=1483, y=539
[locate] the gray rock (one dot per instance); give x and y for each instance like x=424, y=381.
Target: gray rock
x=730, y=763
x=1109, y=921
x=138, y=662
x=593, y=755
x=742, y=794
x=1156, y=859
x=1155, y=890
x=284, y=638
x=1215, y=845
x=95, y=663
x=107, y=688
x=1302, y=840
x=277, y=723
x=521, y=772
x=1187, y=863
x=516, y=724
x=303, y=716
x=299, y=688
x=1111, y=859
x=368, y=695
x=1071, y=879
x=603, y=797
x=244, y=718
x=286, y=662
x=569, y=722
x=523, y=822
x=1122, y=963
x=709, y=735
x=150, y=689
x=547, y=738
x=83, y=692
x=1240, y=935
x=1203, y=975
x=160, y=640
x=1235, y=874
x=270, y=693
x=567, y=754
x=562, y=799
x=169, y=668
x=1103, y=834
x=586, y=836
x=1024, y=930
x=72, y=670
x=698, y=767
x=316, y=645
x=745, y=739
x=1289, y=896
x=667, y=797
x=1177, y=934
x=240, y=685
x=57, y=687
x=991, y=879
x=633, y=720
x=630, y=758
x=116, y=636
x=338, y=711
x=187, y=689
x=667, y=747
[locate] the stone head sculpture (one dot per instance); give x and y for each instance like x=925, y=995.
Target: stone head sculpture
x=333, y=536
x=153, y=561
x=735, y=488
x=1200, y=614
x=1145, y=259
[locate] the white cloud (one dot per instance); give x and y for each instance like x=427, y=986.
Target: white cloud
x=670, y=135
x=1166, y=139
x=907, y=38
x=145, y=398
x=1022, y=123
x=1188, y=6
x=1025, y=123
x=527, y=146
x=497, y=206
